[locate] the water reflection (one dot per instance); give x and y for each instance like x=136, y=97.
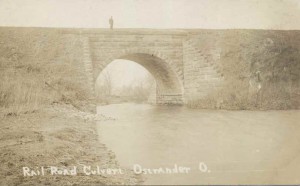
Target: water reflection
x=253, y=147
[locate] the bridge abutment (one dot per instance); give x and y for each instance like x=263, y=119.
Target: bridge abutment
x=169, y=99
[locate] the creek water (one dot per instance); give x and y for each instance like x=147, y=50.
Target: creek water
x=219, y=147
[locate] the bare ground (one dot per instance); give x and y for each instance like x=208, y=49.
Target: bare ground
x=58, y=135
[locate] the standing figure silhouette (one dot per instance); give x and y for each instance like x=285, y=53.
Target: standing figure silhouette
x=111, y=22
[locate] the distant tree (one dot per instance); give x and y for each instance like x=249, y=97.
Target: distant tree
x=107, y=83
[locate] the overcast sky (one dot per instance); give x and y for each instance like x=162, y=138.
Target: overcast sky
x=259, y=14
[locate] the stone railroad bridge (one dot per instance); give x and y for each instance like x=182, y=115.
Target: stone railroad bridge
x=182, y=71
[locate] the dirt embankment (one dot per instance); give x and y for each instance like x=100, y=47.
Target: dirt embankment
x=60, y=136
x=36, y=131
x=261, y=69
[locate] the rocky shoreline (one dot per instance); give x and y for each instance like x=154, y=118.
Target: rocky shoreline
x=59, y=136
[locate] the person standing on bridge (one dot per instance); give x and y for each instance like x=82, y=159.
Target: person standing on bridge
x=111, y=22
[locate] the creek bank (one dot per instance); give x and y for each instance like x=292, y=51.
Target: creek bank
x=57, y=135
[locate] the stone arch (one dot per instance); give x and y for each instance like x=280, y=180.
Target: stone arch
x=168, y=78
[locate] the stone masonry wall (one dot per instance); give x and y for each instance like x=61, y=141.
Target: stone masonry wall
x=202, y=75
x=196, y=68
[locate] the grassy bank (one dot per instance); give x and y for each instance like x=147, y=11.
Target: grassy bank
x=250, y=59
x=37, y=79
x=37, y=69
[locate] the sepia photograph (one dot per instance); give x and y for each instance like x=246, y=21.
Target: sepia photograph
x=149, y=92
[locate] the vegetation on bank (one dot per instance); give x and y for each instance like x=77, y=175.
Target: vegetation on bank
x=36, y=69
x=261, y=69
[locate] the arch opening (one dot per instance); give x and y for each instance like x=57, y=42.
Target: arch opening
x=168, y=88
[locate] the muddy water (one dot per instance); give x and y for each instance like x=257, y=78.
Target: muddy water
x=219, y=147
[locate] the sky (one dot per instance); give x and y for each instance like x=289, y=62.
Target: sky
x=256, y=14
